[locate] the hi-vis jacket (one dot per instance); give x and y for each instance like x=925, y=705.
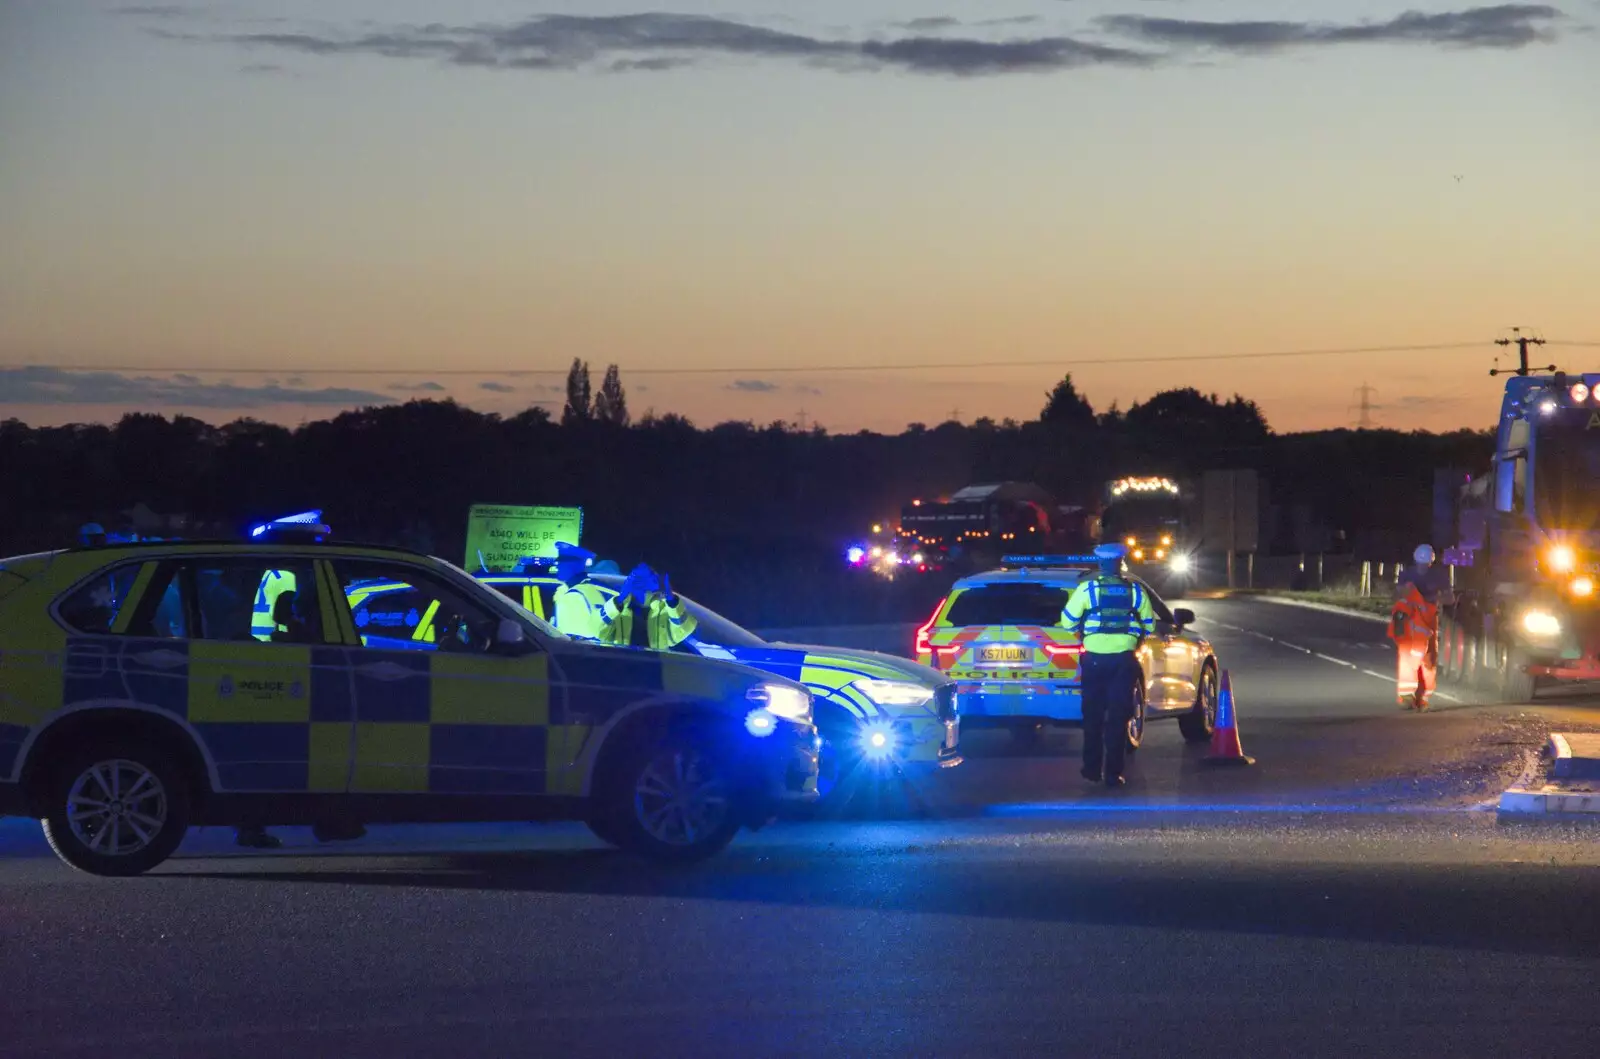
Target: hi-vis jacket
x=1413, y=617
x=1112, y=614
x=586, y=610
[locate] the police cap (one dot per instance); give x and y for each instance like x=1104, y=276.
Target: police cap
x=571, y=553
x=1110, y=552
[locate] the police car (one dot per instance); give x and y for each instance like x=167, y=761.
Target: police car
x=140, y=694
x=999, y=636
x=879, y=716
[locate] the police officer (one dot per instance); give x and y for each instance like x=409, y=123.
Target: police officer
x=666, y=621
x=1113, y=615
x=583, y=608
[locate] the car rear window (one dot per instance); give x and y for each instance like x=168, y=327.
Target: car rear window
x=1015, y=603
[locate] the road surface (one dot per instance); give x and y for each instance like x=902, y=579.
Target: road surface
x=1346, y=896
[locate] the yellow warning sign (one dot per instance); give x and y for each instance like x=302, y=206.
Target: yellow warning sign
x=498, y=535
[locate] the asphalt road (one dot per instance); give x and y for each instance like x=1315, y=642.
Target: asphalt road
x=1346, y=896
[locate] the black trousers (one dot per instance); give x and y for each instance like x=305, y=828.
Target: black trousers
x=1109, y=685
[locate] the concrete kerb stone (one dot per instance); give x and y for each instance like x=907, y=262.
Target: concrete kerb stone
x=1549, y=801
x=1527, y=797
x=1575, y=756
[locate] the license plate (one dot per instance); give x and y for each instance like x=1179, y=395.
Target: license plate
x=1019, y=653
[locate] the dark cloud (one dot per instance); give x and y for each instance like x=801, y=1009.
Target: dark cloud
x=153, y=10
x=49, y=386
x=418, y=387
x=261, y=68
x=931, y=24
x=658, y=41
x=766, y=386
x=1009, y=20
x=1499, y=26
x=496, y=387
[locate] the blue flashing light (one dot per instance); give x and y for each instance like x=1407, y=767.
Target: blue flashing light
x=306, y=523
x=878, y=741
x=855, y=554
x=759, y=722
x=1049, y=560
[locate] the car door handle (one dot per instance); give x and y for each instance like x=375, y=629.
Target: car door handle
x=161, y=658
x=388, y=671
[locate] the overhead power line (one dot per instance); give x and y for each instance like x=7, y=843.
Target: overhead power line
x=816, y=369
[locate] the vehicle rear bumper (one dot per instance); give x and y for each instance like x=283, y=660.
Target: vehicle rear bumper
x=1051, y=700
x=1574, y=669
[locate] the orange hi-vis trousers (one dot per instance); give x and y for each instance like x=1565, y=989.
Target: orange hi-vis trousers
x=1414, y=628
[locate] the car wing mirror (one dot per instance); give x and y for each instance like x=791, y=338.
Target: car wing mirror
x=1182, y=616
x=510, y=633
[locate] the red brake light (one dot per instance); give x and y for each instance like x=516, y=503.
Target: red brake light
x=923, y=646
x=1058, y=653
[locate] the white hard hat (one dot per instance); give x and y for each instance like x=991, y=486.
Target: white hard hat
x=1423, y=555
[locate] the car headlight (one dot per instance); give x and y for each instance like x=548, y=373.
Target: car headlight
x=792, y=704
x=1180, y=564
x=893, y=692
x=1562, y=558
x=1541, y=623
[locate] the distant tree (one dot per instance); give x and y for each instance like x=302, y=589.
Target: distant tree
x=1111, y=417
x=1188, y=419
x=1064, y=406
x=533, y=416
x=611, y=405
x=579, y=409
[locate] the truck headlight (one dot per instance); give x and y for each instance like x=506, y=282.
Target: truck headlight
x=793, y=704
x=1180, y=564
x=1562, y=558
x=893, y=692
x=1541, y=623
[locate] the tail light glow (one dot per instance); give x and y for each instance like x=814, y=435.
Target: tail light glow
x=923, y=645
x=1060, y=653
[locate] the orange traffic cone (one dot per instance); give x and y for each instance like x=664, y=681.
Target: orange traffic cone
x=1225, y=748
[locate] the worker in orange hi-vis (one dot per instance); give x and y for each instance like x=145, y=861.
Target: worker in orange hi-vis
x=1414, y=627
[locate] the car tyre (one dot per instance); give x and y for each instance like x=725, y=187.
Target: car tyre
x=1198, y=724
x=671, y=798
x=116, y=810
x=1137, y=721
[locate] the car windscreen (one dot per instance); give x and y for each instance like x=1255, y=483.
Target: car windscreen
x=1566, y=468
x=1010, y=603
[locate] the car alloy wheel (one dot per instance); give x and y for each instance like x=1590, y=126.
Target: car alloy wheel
x=680, y=798
x=117, y=808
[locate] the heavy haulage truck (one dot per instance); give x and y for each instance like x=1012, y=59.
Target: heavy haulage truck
x=1527, y=555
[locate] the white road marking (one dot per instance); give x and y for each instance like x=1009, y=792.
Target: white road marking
x=1329, y=658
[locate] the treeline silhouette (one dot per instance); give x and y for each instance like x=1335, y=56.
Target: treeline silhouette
x=751, y=520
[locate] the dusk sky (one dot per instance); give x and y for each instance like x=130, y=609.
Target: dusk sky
x=315, y=188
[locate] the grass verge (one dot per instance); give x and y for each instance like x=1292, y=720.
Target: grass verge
x=1346, y=599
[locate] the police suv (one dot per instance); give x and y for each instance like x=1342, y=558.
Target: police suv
x=147, y=687
x=999, y=636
